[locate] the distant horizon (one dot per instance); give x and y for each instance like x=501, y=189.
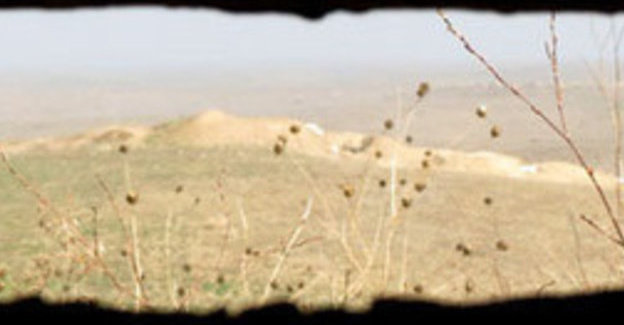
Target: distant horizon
x=160, y=40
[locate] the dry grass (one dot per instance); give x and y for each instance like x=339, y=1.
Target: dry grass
x=253, y=211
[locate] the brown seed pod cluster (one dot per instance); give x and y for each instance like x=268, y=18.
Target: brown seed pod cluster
x=132, y=197
x=402, y=182
x=419, y=187
x=181, y=292
x=418, y=289
x=487, y=200
x=462, y=248
x=179, y=189
x=252, y=252
x=423, y=89
x=274, y=285
x=378, y=154
x=220, y=279
x=382, y=183
x=409, y=139
x=186, y=267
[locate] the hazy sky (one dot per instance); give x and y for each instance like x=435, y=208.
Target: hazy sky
x=151, y=38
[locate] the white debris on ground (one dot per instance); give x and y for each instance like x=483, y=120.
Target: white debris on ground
x=530, y=169
x=315, y=129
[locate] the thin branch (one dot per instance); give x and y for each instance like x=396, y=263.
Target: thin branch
x=540, y=114
x=554, y=64
x=286, y=251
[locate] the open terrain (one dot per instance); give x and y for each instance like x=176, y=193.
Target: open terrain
x=223, y=210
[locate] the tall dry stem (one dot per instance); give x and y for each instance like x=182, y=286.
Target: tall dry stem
x=559, y=131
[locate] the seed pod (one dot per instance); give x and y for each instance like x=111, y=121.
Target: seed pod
x=502, y=246
x=132, y=197
x=495, y=131
x=406, y=202
x=123, y=149
x=388, y=124
x=295, y=129
x=481, y=111
x=423, y=89
x=278, y=148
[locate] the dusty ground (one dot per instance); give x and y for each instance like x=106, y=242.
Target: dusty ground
x=468, y=227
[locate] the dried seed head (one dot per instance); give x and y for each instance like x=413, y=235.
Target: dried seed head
x=378, y=154
x=248, y=251
x=282, y=139
x=419, y=187
x=274, y=285
x=423, y=89
x=408, y=139
x=388, y=124
x=179, y=189
x=502, y=245
x=294, y=129
x=469, y=286
x=197, y=200
x=66, y=288
x=428, y=153
x=495, y=131
x=382, y=183
x=278, y=148
x=406, y=202
x=424, y=163
x=487, y=200
x=220, y=279
x=590, y=171
x=402, y=181
x=289, y=288
x=181, y=292
x=348, y=190
x=123, y=253
x=481, y=111
x=460, y=247
x=417, y=288
x=300, y=285
x=186, y=267
x=132, y=197
x=123, y=149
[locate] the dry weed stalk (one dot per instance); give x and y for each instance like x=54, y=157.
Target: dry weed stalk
x=559, y=130
x=131, y=245
x=73, y=234
x=612, y=99
x=286, y=250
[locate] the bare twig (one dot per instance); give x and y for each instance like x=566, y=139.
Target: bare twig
x=554, y=64
x=286, y=251
x=540, y=114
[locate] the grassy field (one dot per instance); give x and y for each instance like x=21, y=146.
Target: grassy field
x=221, y=225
